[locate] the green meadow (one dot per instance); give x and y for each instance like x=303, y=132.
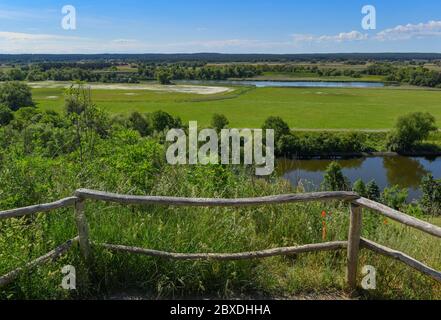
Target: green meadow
x=302, y=108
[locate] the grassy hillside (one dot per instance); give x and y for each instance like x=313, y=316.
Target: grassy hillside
x=125, y=163
x=302, y=108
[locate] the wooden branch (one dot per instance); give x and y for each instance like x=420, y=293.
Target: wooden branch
x=15, y=213
x=399, y=216
x=52, y=255
x=336, y=245
x=400, y=256
x=353, y=246
x=83, y=230
x=205, y=202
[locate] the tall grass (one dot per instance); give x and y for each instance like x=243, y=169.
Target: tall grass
x=207, y=230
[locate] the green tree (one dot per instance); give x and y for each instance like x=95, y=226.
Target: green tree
x=410, y=130
x=16, y=95
x=360, y=188
x=219, y=122
x=6, y=115
x=279, y=126
x=162, y=120
x=164, y=77
x=139, y=123
x=373, y=191
x=334, y=180
x=394, y=197
x=431, y=199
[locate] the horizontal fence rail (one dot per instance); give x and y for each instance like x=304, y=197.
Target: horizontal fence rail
x=204, y=202
x=16, y=213
x=52, y=255
x=326, y=246
x=399, y=216
x=353, y=245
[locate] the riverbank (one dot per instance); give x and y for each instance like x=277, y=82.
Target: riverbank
x=387, y=170
x=348, y=155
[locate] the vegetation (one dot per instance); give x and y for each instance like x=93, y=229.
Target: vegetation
x=109, y=140
x=219, y=122
x=300, y=108
x=410, y=130
x=15, y=95
x=431, y=199
x=334, y=180
x=404, y=72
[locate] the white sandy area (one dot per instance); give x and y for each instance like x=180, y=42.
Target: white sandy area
x=147, y=86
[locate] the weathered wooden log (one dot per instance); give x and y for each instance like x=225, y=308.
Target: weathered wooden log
x=20, y=212
x=83, y=230
x=400, y=256
x=399, y=216
x=205, y=202
x=52, y=255
x=353, y=246
x=336, y=245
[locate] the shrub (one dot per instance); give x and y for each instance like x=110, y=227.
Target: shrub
x=431, y=199
x=394, y=197
x=410, y=130
x=164, y=77
x=334, y=180
x=279, y=126
x=6, y=115
x=140, y=123
x=162, y=120
x=15, y=95
x=373, y=191
x=360, y=188
x=219, y=122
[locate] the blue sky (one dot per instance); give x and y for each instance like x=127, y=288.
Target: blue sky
x=245, y=26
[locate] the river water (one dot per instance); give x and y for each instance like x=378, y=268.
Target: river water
x=406, y=172
x=294, y=84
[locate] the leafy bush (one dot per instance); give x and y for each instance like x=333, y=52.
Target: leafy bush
x=15, y=95
x=394, y=197
x=6, y=115
x=334, y=180
x=219, y=122
x=373, y=191
x=162, y=121
x=279, y=126
x=410, y=130
x=431, y=199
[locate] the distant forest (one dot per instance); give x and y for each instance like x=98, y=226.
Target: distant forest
x=217, y=57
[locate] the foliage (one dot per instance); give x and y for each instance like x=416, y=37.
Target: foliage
x=162, y=120
x=140, y=123
x=431, y=199
x=279, y=126
x=334, y=180
x=360, y=188
x=410, y=130
x=326, y=143
x=394, y=197
x=373, y=191
x=6, y=115
x=15, y=95
x=219, y=122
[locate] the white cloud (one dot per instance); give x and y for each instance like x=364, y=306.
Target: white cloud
x=125, y=40
x=19, y=36
x=409, y=31
x=19, y=42
x=341, y=37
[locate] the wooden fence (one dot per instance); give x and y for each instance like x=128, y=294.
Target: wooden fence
x=353, y=245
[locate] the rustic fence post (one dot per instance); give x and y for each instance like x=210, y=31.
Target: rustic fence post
x=353, y=246
x=83, y=230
